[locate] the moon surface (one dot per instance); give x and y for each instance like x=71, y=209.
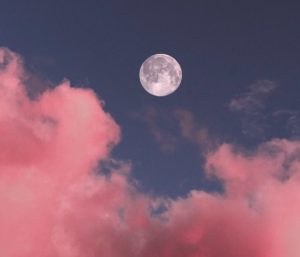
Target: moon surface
x=160, y=75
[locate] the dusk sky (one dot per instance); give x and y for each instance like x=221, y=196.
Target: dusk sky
x=91, y=165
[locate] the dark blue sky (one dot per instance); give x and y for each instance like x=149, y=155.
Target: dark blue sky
x=223, y=49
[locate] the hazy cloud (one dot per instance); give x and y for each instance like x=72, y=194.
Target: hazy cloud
x=192, y=131
x=251, y=106
x=184, y=127
x=259, y=120
x=253, y=100
x=290, y=120
x=153, y=119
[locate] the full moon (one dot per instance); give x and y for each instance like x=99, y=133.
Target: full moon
x=160, y=75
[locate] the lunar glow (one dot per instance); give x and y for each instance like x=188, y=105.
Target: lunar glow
x=160, y=75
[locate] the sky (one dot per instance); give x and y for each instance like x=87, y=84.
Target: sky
x=92, y=165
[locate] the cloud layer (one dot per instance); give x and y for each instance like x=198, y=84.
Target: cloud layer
x=53, y=204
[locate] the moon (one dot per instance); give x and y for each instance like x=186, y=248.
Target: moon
x=160, y=75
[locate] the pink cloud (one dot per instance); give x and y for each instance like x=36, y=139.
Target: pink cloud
x=52, y=204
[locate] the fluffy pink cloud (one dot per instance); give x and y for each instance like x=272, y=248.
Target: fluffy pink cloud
x=52, y=204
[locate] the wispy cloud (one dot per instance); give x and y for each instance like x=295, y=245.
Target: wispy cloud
x=192, y=131
x=290, y=120
x=185, y=127
x=254, y=99
x=251, y=107
x=152, y=118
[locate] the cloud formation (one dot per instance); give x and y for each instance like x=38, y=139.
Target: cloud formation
x=193, y=132
x=152, y=118
x=290, y=119
x=251, y=107
x=181, y=124
x=53, y=204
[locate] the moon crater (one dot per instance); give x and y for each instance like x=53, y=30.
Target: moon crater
x=160, y=75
